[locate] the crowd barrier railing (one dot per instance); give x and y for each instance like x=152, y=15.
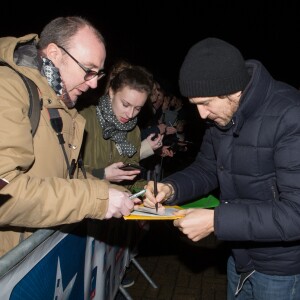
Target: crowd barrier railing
x=84, y=261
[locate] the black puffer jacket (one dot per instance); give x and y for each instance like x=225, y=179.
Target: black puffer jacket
x=256, y=165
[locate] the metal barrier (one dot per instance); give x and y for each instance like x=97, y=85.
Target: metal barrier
x=66, y=263
x=84, y=261
x=16, y=255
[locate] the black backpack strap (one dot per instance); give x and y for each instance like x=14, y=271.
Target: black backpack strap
x=35, y=104
x=57, y=125
x=81, y=165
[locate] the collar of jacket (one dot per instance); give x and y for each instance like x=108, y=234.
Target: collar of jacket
x=253, y=95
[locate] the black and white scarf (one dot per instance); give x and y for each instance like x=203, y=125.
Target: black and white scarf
x=113, y=129
x=27, y=55
x=53, y=77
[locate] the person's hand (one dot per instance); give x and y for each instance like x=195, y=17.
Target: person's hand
x=196, y=224
x=163, y=193
x=166, y=151
x=119, y=204
x=156, y=143
x=113, y=173
x=180, y=125
x=170, y=130
x=162, y=128
x=182, y=145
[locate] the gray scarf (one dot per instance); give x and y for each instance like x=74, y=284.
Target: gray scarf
x=113, y=129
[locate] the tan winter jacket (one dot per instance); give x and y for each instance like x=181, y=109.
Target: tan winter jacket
x=39, y=194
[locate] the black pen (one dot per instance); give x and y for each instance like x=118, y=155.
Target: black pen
x=155, y=189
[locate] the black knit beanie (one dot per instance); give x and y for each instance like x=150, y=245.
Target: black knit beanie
x=212, y=67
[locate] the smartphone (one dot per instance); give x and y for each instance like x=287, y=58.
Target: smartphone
x=131, y=167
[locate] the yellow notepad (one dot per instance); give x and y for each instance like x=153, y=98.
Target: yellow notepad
x=144, y=215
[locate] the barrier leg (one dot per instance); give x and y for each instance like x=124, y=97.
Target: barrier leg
x=124, y=293
x=139, y=267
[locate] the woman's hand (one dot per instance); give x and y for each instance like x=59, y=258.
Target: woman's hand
x=113, y=173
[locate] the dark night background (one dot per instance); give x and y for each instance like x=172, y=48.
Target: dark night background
x=158, y=34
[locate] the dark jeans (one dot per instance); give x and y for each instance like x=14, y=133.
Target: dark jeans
x=261, y=286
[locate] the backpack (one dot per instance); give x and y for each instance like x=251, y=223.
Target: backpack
x=35, y=105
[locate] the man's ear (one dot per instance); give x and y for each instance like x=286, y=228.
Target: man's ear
x=53, y=53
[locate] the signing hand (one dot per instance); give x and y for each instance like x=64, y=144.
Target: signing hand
x=163, y=192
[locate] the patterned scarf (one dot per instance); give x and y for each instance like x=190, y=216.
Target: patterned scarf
x=53, y=77
x=113, y=129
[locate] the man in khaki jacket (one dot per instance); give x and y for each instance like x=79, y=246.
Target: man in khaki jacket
x=36, y=190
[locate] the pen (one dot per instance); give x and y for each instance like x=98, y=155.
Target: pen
x=155, y=189
x=137, y=194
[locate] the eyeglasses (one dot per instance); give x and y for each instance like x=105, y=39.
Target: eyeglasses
x=89, y=74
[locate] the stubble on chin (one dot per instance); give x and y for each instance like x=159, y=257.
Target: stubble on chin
x=68, y=102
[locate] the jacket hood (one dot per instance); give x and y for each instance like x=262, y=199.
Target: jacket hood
x=21, y=54
x=9, y=46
